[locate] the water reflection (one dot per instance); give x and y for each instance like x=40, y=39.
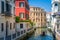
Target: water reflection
x=46, y=37
x=37, y=35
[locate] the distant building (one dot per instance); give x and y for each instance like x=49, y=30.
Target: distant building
x=48, y=17
x=38, y=16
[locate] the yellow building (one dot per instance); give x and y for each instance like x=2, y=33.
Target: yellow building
x=38, y=16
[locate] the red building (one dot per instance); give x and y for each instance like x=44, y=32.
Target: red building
x=22, y=9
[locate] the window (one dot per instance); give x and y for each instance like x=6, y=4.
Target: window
x=21, y=25
x=21, y=4
x=44, y=14
x=36, y=14
x=2, y=27
x=14, y=10
x=33, y=19
x=36, y=19
x=57, y=26
x=27, y=0
x=21, y=15
x=14, y=36
x=13, y=25
x=41, y=14
x=24, y=31
x=8, y=7
x=41, y=20
x=10, y=25
x=45, y=20
x=27, y=7
x=2, y=7
x=57, y=20
x=10, y=0
x=27, y=16
x=21, y=32
x=18, y=33
x=34, y=9
x=56, y=4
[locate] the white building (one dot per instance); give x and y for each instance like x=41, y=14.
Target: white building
x=7, y=21
x=56, y=16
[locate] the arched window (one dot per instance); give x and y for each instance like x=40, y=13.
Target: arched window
x=21, y=15
x=2, y=26
x=2, y=7
x=56, y=4
x=21, y=4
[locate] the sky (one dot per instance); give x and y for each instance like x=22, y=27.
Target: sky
x=45, y=4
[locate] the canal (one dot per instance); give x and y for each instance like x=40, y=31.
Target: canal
x=37, y=35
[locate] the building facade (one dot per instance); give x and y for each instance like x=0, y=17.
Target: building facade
x=22, y=9
x=48, y=16
x=9, y=29
x=2, y=22
x=38, y=16
x=56, y=16
x=7, y=22
x=55, y=12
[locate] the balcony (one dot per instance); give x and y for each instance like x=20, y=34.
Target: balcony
x=58, y=15
x=7, y=0
x=8, y=9
x=10, y=1
x=8, y=14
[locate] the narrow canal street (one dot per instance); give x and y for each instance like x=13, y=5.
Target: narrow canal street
x=37, y=35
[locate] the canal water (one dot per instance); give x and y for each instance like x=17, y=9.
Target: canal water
x=37, y=35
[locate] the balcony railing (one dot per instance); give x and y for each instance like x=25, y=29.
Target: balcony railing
x=8, y=14
x=8, y=9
